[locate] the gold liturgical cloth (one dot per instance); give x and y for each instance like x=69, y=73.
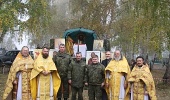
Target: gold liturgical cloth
x=117, y=70
x=18, y=79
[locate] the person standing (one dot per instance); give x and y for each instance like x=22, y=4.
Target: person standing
x=62, y=61
x=105, y=63
x=142, y=83
x=117, y=73
x=95, y=79
x=108, y=58
x=18, y=82
x=76, y=76
x=45, y=80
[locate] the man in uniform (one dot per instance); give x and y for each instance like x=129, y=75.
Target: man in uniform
x=117, y=72
x=18, y=82
x=45, y=80
x=62, y=61
x=76, y=76
x=95, y=79
x=142, y=83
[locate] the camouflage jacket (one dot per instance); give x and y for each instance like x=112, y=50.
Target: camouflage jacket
x=62, y=61
x=76, y=73
x=95, y=74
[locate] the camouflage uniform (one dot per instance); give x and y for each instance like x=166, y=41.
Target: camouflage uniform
x=95, y=77
x=62, y=61
x=76, y=73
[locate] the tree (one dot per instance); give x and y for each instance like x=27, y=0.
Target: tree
x=96, y=15
x=142, y=24
x=35, y=10
x=7, y=42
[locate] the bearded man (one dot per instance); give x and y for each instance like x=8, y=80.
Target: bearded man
x=45, y=80
x=117, y=72
x=18, y=82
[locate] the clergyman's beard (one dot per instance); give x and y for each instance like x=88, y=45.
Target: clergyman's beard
x=45, y=56
x=117, y=58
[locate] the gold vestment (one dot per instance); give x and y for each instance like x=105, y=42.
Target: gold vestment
x=21, y=66
x=42, y=83
x=142, y=81
x=117, y=69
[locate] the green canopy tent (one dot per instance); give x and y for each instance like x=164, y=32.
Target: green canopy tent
x=89, y=35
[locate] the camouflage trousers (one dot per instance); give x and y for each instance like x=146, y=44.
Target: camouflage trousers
x=76, y=90
x=94, y=91
x=64, y=88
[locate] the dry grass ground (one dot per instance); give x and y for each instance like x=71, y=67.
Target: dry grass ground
x=163, y=90
x=3, y=78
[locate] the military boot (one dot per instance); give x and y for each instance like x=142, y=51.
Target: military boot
x=59, y=98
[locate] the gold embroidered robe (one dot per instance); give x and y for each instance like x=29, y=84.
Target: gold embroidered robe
x=117, y=69
x=21, y=66
x=41, y=83
x=142, y=81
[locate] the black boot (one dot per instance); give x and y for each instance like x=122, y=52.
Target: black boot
x=65, y=98
x=59, y=98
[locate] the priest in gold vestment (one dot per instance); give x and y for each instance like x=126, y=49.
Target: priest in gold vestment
x=117, y=73
x=142, y=83
x=45, y=80
x=18, y=82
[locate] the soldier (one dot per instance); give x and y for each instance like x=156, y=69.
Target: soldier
x=62, y=61
x=76, y=75
x=95, y=79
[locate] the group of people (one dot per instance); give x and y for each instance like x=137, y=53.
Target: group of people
x=49, y=79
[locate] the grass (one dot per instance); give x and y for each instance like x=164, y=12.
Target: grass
x=162, y=89
x=3, y=78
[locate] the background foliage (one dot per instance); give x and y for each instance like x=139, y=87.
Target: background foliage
x=135, y=26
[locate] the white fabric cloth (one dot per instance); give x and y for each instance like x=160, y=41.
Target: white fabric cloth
x=19, y=90
x=131, y=91
x=146, y=97
x=82, y=49
x=51, y=88
x=38, y=92
x=122, y=90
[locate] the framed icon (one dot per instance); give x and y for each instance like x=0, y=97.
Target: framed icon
x=98, y=45
x=88, y=56
x=57, y=42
